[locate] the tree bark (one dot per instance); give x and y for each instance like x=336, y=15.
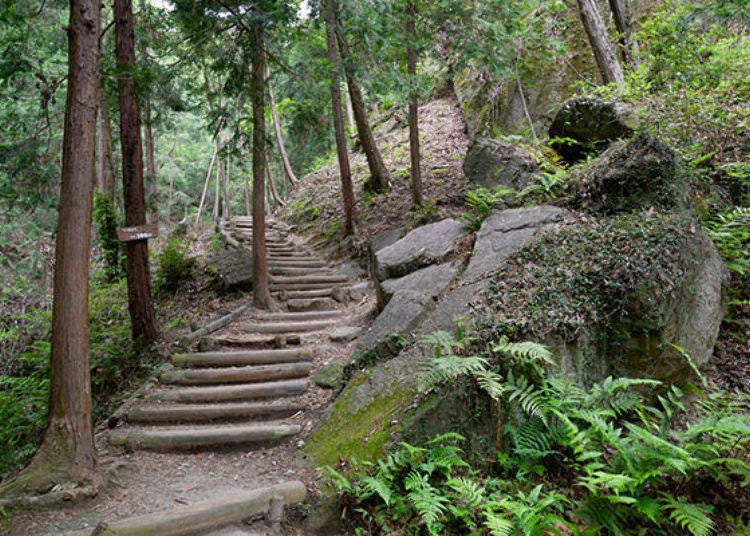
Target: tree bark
x=261, y=292
x=271, y=185
x=139, y=278
x=379, y=176
x=67, y=451
x=624, y=25
x=347, y=192
x=148, y=135
x=288, y=171
x=411, y=68
x=217, y=192
x=105, y=170
x=349, y=114
x=226, y=208
x=606, y=59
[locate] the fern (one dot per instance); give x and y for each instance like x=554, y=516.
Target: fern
x=691, y=517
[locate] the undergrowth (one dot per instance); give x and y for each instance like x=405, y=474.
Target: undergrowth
x=622, y=457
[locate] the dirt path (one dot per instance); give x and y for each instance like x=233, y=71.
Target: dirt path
x=161, y=477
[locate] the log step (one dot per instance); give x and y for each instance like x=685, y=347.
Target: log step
x=296, y=263
x=304, y=294
x=259, y=373
x=170, y=412
x=304, y=286
x=286, y=327
x=299, y=316
x=223, y=393
x=309, y=278
x=243, y=358
x=293, y=270
x=204, y=516
x=189, y=437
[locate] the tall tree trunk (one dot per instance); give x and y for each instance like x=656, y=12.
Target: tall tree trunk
x=411, y=68
x=105, y=170
x=148, y=135
x=67, y=451
x=261, y=291
x=139, y=278
x=349, y=113
x=206, y=183
x=347, y=193
x=248, y=209
x=606, y=59
x=624, y=25
x=379, y=176
x=288, y=171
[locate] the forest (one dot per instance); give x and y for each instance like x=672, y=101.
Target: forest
x=375, y=267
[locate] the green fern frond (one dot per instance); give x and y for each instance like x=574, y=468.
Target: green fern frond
x=380, y=487
x=526, y=351
x=428, y=501
x=449, y=368
x=497, y=525
x=692, y=517
x=468, y=490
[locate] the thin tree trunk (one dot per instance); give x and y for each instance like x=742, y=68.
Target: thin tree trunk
x=379, y=176
x=347, y=193
x=349, y=113
x=606, y=59
x=271, y=185
x=411, y=68
x=288, y=171
x=206, y=183
x=248, y=211
x=217, y=192
x=139, y=279
x=105, y=171
x=624, y=25
x=226, y=209
x=261, y=291
x=67, y=451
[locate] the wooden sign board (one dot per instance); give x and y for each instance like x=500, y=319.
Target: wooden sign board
x=139, y=232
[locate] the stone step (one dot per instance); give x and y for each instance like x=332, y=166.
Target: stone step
x=256, y=373
x=206, y=516
x=241, y=358
x=173, y=412
x=309, y=278
x=286, y=327
x=190, y=437
x=223, y=393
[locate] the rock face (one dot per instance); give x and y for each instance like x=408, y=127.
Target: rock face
x=640, y=174
x=431, y=281
x=491, y=163
x=613, y=297
x=421, y=247
x=590, y=124
x=505, y=232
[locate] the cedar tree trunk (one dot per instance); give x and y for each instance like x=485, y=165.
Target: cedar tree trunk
x=139, y=278
x=261, y=292
x=624, y=25
x=347, y=193
x=105, y=170
x=67, y=451
x=288, y=171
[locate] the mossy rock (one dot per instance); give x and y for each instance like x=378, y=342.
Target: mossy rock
x=614, y=296
x=330, y=377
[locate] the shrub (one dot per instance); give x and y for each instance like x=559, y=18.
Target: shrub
x=174, y=264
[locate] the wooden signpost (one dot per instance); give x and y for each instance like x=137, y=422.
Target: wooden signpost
x=138, y=232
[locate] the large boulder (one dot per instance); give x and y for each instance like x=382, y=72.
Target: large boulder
x=640, y=174
x=587, y=125
x=425, y=245
x=231, y=269
x=615, y=297
x=505, y=232
x=431, y=281
x=491, y=163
